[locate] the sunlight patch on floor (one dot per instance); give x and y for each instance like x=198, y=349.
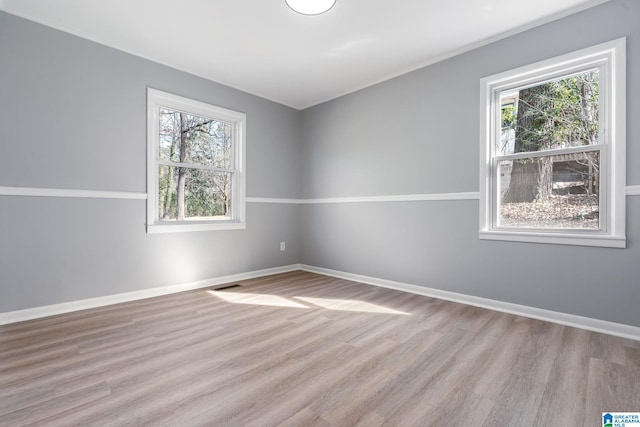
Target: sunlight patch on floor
x=349, y=305
x=326, y=303
x=256, y=299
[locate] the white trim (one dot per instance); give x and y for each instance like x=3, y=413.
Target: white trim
x=610, y=58
x=631, y=190
x=157, y=99
x=68, y=307
x=372, y=199
x=201, y=226
x=595, y=325
x=600, y=240
x=548, y=152
x=65, y=192
x=397, y=198
x=273, y=200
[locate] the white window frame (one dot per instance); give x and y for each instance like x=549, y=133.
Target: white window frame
x=610, y=58
x=157, y=99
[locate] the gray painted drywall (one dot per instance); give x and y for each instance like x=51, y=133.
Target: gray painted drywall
x=419, y=133
x=89, y=248
x=68, y=105
x=73, y=115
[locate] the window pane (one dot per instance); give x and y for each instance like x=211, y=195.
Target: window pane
x=559, y=191
x=558, y=114
x=193, y=194
x=185, y=138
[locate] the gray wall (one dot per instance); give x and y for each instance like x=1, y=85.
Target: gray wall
x=73, y=116
x=419, y=133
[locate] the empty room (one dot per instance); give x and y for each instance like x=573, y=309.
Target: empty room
x=319, y=213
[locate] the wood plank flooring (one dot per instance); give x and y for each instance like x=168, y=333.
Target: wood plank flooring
x=301, y=349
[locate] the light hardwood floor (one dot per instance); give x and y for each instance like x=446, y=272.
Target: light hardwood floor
x=301, y=349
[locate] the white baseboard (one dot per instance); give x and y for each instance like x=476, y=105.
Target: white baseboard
x=67, y=307
x=602, y=326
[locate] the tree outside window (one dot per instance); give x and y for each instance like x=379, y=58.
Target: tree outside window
x=201, y=190
x=195, y=167
x=553, y=150
x=553, y=191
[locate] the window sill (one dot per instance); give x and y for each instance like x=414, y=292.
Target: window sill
x=186, y=227
x=576, y=239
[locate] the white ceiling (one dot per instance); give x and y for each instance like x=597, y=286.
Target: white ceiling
x=264, y=48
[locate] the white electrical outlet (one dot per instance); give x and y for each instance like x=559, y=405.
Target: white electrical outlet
x=283, y=246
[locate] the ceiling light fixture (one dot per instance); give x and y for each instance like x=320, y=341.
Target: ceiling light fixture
x=310, y=7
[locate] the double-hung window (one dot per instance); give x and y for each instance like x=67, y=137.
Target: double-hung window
x=553, y=150
x=195, y=165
